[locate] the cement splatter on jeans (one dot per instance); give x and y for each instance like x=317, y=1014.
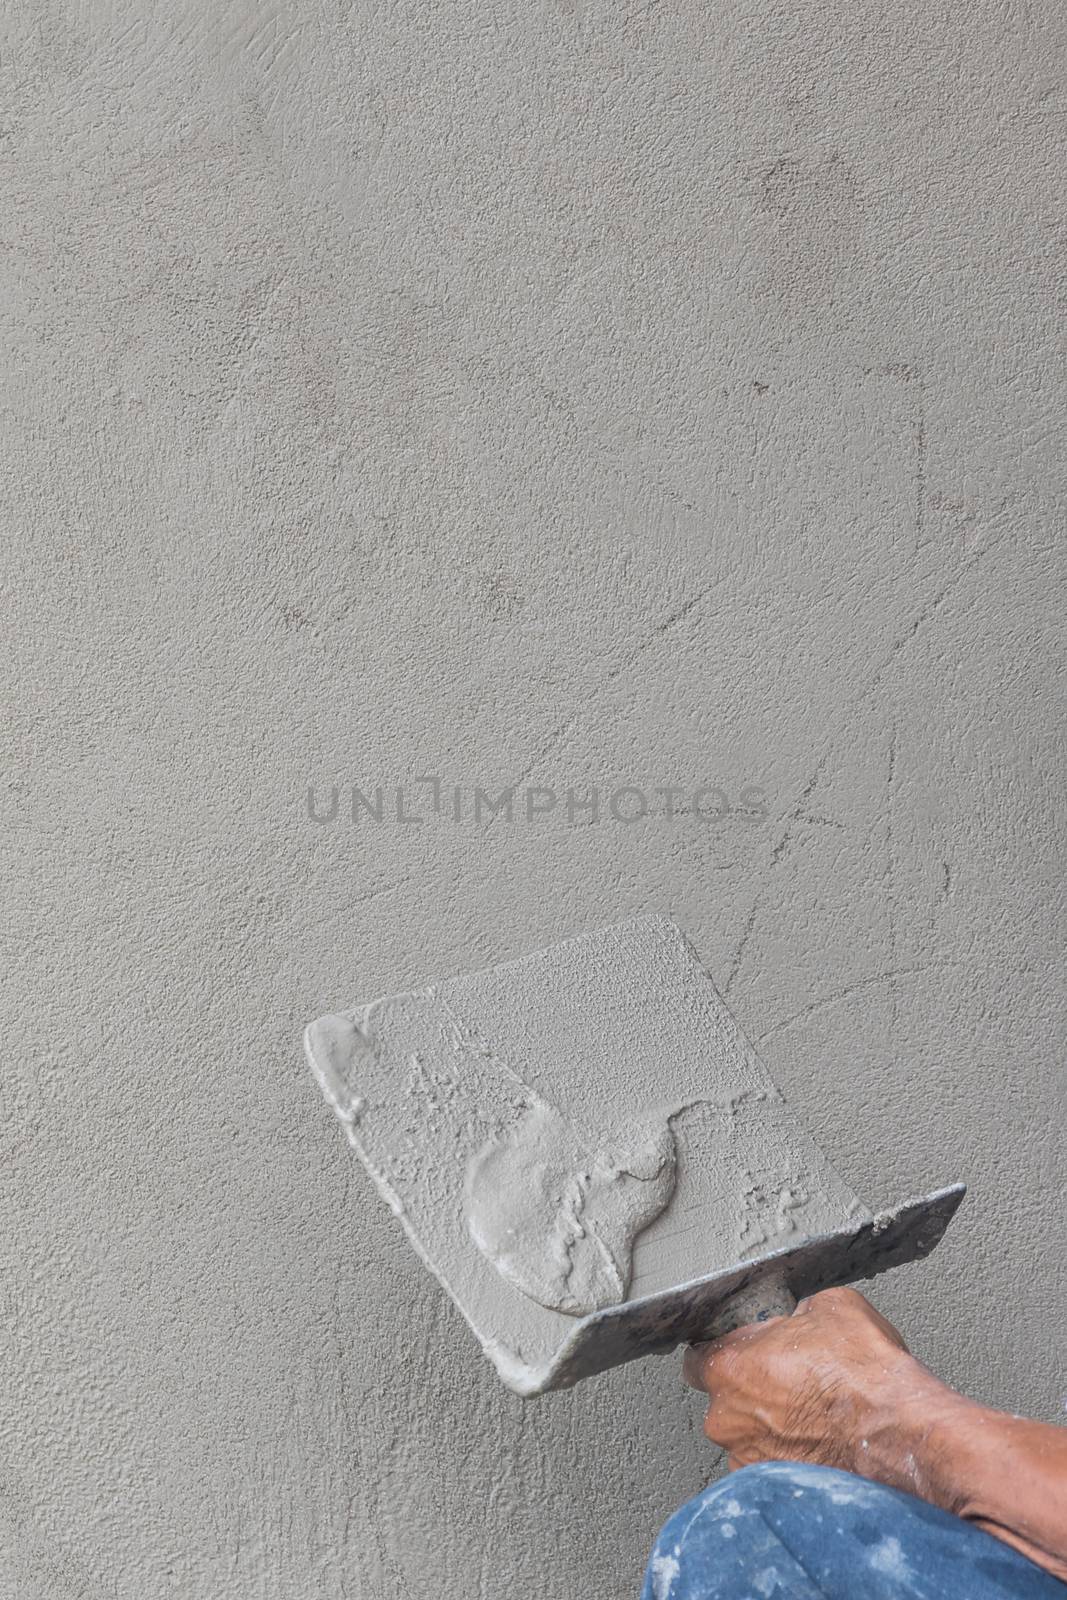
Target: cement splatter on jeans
x=784, y=1531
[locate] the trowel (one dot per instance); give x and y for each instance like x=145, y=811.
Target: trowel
x=588, y=1154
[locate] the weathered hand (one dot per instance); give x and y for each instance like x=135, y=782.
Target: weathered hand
x=814, y=1386
x=834, y=1385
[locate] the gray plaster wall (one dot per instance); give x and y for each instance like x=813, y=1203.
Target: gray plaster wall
x=563, y=394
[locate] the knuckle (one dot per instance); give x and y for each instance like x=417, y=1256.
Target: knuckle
x=713, y=1428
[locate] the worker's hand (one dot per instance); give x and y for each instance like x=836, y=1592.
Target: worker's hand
x=834, y=1385
x=821, y=1385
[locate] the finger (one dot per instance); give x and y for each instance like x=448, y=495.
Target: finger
x=805, y=1305
x=693, y=1366
x=833, y=1299
x=711, y=1429
x=699, y=1356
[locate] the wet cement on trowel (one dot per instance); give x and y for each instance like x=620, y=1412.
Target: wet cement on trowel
x=568, y=1131
x=559, y=1219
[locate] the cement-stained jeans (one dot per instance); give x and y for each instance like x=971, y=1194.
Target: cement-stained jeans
x=782, y=1531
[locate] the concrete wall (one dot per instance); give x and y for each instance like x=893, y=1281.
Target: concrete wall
x=564, y=394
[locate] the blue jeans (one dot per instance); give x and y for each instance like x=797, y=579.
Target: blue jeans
x=782, y=1531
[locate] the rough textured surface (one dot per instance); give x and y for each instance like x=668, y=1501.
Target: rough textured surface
x=504, y=1104
x=622, y=394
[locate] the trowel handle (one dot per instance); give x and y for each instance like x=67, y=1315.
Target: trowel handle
x=771, y=1297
